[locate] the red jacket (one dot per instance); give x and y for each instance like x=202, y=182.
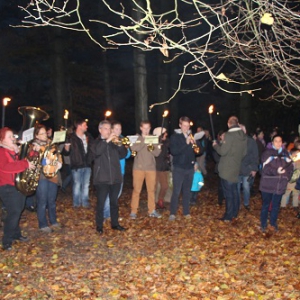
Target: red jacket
x=10, y=165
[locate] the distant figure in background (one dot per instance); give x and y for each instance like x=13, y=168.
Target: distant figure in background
x=67, y=171
x=12, y=199
x=201, y=159
x=276, y=172
x=78, y=147
x=49, y=132
x=197, y=184
x=248, y=169
x=217, y=157
x=162, y=166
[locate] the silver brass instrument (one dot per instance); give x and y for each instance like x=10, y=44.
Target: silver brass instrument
x=195, y=147
x=27, y=181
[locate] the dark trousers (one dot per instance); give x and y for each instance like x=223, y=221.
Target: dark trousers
x=194, y=196
x=182, y=181
x=220, y=192
x=230, y=191
x=103, y=190
x=14, y=203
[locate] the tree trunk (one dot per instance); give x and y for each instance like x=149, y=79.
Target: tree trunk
x=59, y=83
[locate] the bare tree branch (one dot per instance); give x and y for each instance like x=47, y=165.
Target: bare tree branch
x=246, y=43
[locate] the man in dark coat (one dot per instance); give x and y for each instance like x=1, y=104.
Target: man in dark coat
x=232, y=150
x=107, y=176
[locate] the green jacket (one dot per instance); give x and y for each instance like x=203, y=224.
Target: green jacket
x=232, y=150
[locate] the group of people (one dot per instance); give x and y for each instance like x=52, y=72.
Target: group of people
x=238, y=158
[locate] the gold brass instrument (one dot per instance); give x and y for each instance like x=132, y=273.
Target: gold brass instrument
x=150, y=147
x=195, y=147
x=50, y=161
x=121, y=141
x=27, y=181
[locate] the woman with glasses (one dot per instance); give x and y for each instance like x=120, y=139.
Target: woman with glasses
x=47, y=187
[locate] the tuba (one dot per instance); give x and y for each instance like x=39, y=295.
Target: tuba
x=27, y=181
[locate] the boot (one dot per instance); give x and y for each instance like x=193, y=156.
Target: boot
x=160, y=204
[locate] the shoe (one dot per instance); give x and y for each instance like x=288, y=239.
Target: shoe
x=298, y=216
x=247, y=207
x=31, y=208
x=46, y=229
x=22, y=238
x=224, y=220
x=172, y=218
x=187, y=216
x=160, y=204
x=118, y=227
x=133, y=216
x=99, y=230
x=155, y=214
x=7, y=247
x=192, y=203
x=263, y=229
x=56, y=226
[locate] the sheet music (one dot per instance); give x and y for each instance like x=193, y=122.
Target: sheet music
x=27, y=135
x=59, y=136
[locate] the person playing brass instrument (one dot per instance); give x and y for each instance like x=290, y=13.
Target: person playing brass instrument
x=47, y=187
x=144, y=168
x=12, y=199
x=182, y=150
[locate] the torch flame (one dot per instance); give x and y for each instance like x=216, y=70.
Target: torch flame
x=6, y=100
x=108, y=113
x=211, y=109
x=166, y=112
x=66, y=115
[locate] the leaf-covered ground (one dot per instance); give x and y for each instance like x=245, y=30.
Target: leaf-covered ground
x=201, y=258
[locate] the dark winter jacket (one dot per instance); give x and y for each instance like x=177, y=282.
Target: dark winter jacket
x=183, y=153
x=271, y=181
x=162, y=160
x=107, y=168
x=78, y=158
x=232, y=150
x=250, y=161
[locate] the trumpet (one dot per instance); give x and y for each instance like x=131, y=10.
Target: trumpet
x=195, y=147
x=121, y=141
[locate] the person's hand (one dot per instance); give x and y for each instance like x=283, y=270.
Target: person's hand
x=188, y=140
x=214, y=143
x=280, y=170
x=31, y=165
x=36, y=147
x=67, y=146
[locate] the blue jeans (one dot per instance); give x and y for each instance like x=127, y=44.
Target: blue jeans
x=182, y=180
x=14, y=203
x=81, y=183
x=243, y=180
x=68, y=179
x=232, y=201
x=107, y=204
x=269, y=198
x=46, y=193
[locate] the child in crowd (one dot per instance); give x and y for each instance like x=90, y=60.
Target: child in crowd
x=197, y=184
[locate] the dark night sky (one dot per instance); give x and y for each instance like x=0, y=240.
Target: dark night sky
x=24, y=76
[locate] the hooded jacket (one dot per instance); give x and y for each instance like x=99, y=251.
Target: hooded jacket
x=232, y=150
x=271, y=181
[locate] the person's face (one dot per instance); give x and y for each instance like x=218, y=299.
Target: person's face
x=105, y=131
x=42, y=135
x=49, y=132
x=83, y=127
x=185, y=126
x=164, y=136
x=145, y=129
x=261, y=135
x=117, y=130
x=277, y=142
x=9, y=139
